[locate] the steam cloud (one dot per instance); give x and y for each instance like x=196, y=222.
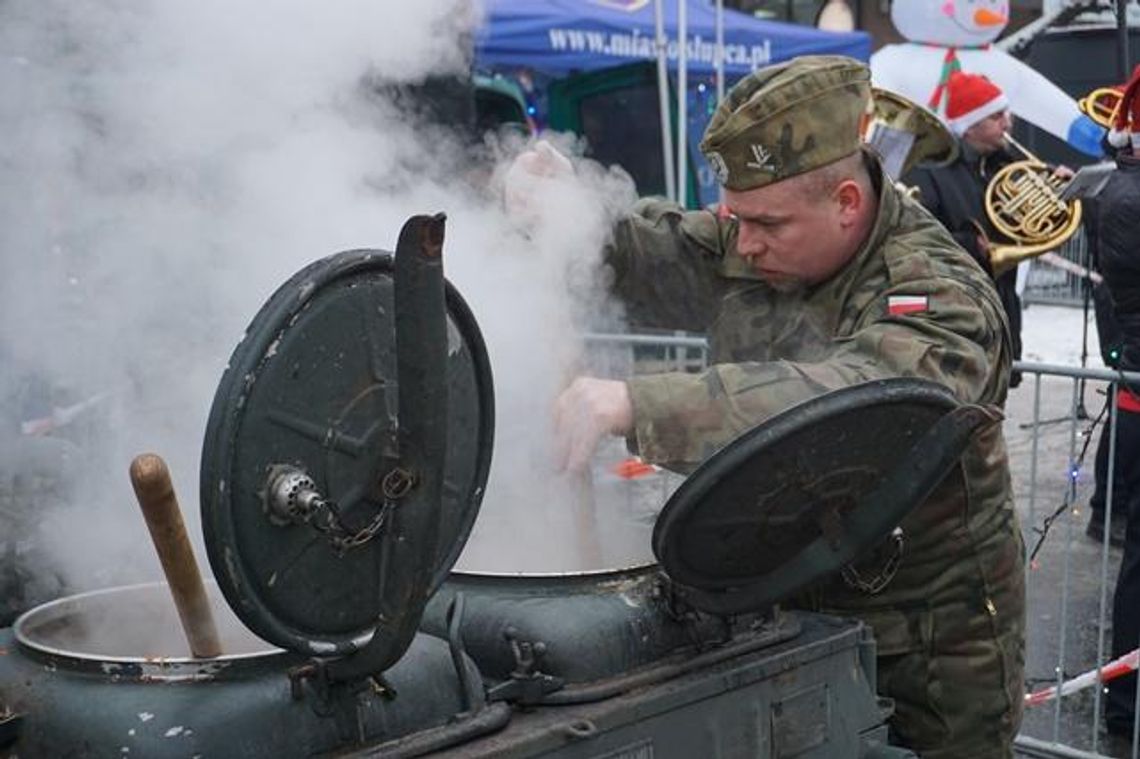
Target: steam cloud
x=165, y=166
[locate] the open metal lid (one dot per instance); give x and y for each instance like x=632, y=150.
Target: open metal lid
x=809, y=490
x=324, y=523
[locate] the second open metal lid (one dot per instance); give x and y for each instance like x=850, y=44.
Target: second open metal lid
x=807, y=491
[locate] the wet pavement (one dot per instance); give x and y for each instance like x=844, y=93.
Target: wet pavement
x=1066, y=594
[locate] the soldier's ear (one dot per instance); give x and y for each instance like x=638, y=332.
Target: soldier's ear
x=850, y=198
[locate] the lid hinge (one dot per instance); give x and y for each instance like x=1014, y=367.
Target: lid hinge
x=703, y=630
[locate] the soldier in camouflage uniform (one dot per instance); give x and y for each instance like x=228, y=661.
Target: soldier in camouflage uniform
x=823, y=274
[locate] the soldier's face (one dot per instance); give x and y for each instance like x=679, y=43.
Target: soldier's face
x=789, y=238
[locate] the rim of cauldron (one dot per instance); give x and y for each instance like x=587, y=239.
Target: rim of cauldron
x=158, y=667
x=574, y=574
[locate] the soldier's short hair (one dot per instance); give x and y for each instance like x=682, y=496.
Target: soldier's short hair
x=784, y=120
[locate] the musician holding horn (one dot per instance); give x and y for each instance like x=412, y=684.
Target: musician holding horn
x=977, y=111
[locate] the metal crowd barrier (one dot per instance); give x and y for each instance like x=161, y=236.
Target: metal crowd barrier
x=1068, y=579
x=651, y=353
x=1049, y=285
x=1052, y=438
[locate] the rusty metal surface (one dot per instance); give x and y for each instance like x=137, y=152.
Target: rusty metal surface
x=591, y=631
x=759, y=705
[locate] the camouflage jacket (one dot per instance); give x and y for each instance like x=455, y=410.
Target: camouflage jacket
x=770, y=350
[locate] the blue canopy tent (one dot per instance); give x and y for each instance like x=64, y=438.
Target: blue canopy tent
x=564, y=36
x=576, y=39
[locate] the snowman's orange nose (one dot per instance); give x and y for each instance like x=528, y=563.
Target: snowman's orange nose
x=986, y=17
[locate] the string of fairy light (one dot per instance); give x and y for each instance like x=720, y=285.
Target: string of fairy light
x=1073, y=474
x=1072, y=477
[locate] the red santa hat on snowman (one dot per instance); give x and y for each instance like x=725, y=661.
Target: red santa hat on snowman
x=1125, y=131
x=971, y=98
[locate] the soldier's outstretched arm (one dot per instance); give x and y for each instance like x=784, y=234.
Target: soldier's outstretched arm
x=958, y=340
x=662, y=258
x=664, y=263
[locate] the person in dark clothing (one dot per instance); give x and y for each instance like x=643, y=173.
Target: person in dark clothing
x=1119, y=233
x=978, y=112
x=1110, y=339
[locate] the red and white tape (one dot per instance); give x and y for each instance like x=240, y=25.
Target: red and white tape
x=1110, y=671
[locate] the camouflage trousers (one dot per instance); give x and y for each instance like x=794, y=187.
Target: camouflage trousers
x=951, y=654
x=955, y=672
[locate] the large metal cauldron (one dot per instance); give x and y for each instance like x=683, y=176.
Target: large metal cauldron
x=586, y=631
x=107, y=673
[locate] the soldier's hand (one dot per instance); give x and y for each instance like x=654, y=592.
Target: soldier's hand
x=528, y=173
x=586, y=412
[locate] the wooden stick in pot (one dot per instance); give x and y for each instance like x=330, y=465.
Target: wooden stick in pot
x=589, y=543
x=151, y=480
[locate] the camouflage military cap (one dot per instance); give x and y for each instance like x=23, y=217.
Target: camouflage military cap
x=787, y=119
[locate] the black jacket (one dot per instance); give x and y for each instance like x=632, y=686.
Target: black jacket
x=955, y=194
x=1119, y=228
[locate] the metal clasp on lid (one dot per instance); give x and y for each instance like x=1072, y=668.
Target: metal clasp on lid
x=291, y=497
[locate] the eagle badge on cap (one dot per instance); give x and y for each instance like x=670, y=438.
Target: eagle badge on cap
x=719, y=167
x=761, y=159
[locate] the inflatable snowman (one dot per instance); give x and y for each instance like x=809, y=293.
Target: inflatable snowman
x=945, y=35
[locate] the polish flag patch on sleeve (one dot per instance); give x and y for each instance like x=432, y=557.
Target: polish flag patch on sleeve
x=907, y=304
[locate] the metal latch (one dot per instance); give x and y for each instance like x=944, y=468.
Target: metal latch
x=887, y=570
x=291, y=497
x=527, y=685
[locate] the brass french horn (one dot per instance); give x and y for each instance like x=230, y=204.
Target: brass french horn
x=1023, y=203
x=1101, y=105
x=906, y=134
